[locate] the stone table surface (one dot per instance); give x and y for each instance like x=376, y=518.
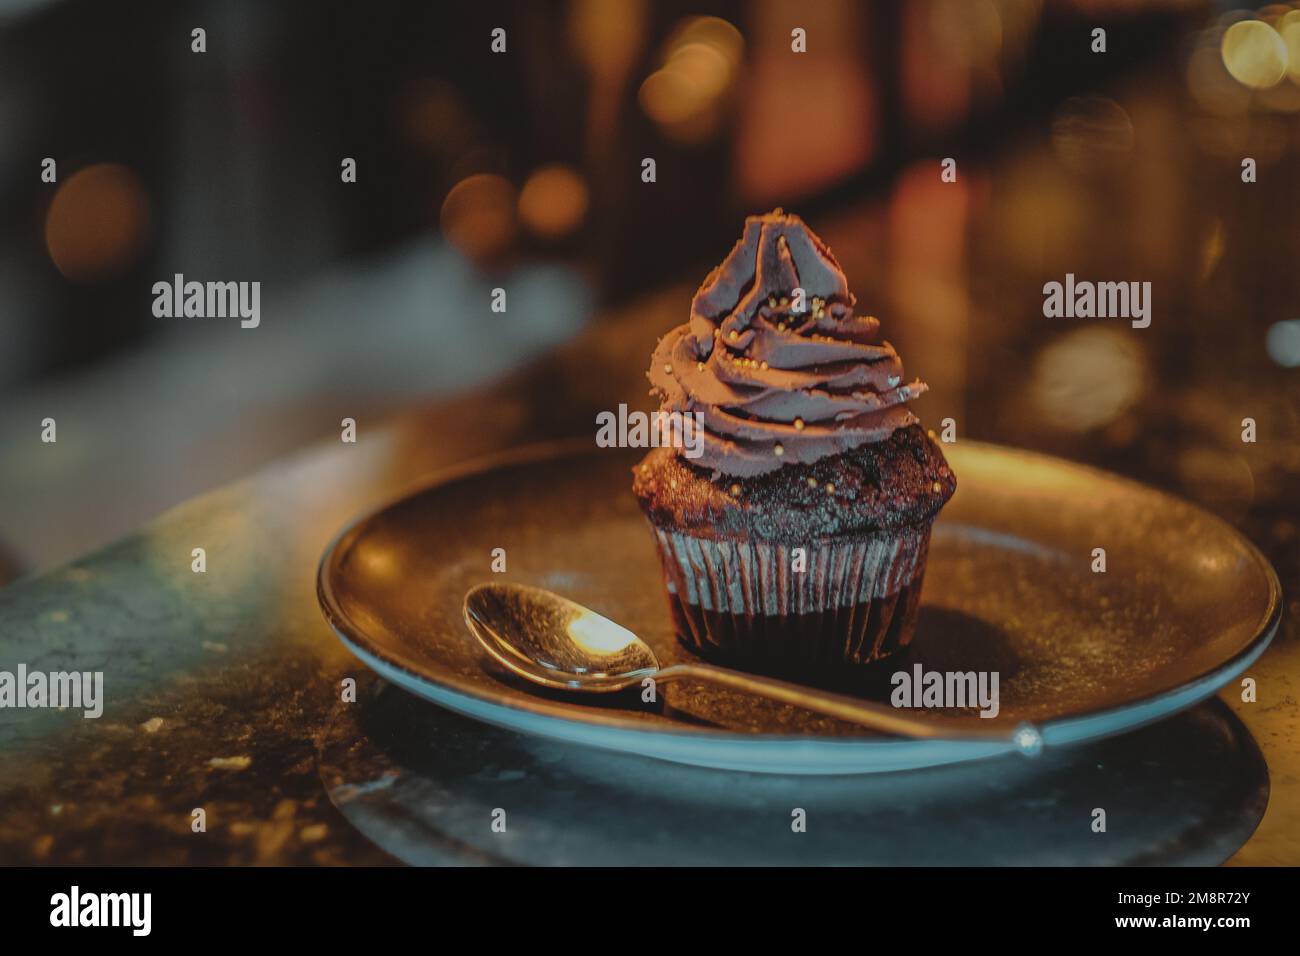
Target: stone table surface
x=221, y=687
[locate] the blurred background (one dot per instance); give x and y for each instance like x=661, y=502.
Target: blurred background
x=477, y=170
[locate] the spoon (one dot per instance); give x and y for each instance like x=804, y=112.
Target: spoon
x=555, y=642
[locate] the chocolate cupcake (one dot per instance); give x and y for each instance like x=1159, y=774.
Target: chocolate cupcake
x=793, y=526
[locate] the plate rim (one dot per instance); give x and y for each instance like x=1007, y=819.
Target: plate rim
x=569, y=722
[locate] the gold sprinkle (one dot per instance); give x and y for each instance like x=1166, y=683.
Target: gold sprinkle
x=673, y=483
x=830, y=489
x=733, y=335
x=780, y=450
x=936, y=487
x=812, y=482
x=668, y=368
x=798, y=424
x=700, y=366
x=735, y=489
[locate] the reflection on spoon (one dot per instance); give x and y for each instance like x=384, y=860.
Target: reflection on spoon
x=555, y=642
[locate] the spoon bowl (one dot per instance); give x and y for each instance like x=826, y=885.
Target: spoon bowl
x=550, y=640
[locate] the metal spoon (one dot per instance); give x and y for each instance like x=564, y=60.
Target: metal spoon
x=555, y=642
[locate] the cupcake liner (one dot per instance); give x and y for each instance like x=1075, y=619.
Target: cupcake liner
x=742, y=602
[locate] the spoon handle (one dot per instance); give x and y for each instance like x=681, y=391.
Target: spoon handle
x=876, y=716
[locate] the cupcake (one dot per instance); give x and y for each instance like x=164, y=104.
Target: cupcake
x=793, y=525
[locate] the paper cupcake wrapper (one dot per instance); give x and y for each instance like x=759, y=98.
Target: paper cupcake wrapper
x=743, y=602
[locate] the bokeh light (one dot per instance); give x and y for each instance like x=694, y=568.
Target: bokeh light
x=1288, y=28
x=553, y=202
x=684, y=96
x=478, y=216
x=1089, y=377
x=97, y=223
x=1283, y=343
x=1254, y=54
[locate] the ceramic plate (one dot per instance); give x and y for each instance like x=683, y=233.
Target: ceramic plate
x=1184, y=606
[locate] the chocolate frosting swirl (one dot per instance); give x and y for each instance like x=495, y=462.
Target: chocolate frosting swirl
x=778, y=384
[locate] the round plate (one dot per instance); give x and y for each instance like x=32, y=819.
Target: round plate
x=1185, y=605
